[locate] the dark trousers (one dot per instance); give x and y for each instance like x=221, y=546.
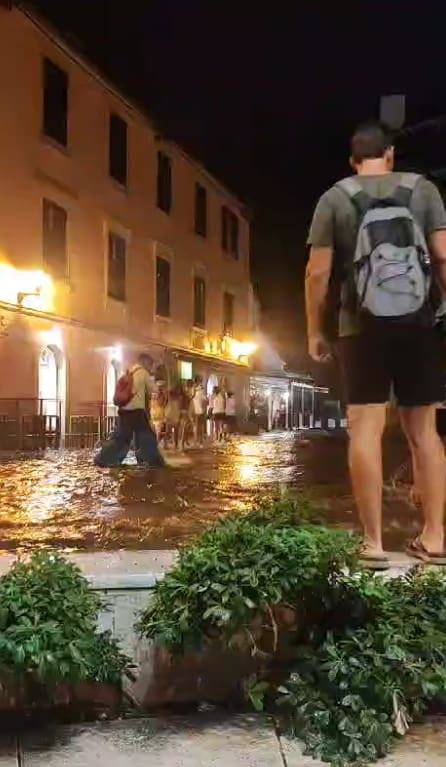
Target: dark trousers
x=132, y=424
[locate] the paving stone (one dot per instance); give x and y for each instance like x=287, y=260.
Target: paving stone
x=202, y=741
x=292, y=753
x=424, y=746
x=8, y=750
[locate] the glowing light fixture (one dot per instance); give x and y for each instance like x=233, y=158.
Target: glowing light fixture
x=30, y=289
x=185, y=370
x=238, y=350
x=116, y=353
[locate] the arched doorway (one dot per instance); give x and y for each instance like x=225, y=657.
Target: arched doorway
x=111, y=379
x=52, y=383
x=48, y=382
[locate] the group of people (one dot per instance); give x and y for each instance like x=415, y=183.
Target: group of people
x=151, y=414
x=179, y=415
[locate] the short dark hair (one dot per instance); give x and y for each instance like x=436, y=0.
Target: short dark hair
x=370, y=140
x=145, y=359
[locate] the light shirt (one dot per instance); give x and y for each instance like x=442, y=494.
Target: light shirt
x=142, y=389
x=173, y=410
x=218, y=404
x=230, y=406
x=335, y=225
x=199, y=402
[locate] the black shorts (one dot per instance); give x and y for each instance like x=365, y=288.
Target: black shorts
x=407, y=361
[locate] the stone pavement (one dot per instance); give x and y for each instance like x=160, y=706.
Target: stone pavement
x=206, y=740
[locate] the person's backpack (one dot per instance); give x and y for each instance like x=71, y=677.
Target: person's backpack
x=124, y=390
x=391, y=271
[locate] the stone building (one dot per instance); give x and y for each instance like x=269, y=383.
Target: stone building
x=112, y=241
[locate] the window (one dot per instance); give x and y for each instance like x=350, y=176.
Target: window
x=200, y=210
x=54, y=238
x=234, y=236
x=55, y=102
x=229, y=232
x=164, y=183
x=186, y=373
x=118, y=149
x=117, y=254
x=199, y=302
x=162, y=287
x=225, y=213
x=228, y=313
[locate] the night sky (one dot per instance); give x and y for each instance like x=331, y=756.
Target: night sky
x=267, y=98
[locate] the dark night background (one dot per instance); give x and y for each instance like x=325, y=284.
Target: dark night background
x=266, y=97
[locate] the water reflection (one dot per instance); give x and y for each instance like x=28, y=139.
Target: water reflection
x=63, y=500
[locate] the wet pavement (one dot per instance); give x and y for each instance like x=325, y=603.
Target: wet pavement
x=61, y=500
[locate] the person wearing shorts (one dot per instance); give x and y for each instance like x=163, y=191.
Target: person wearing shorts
x=378, y=361
x=218, y=413
x=231, y=414
x=199, y=407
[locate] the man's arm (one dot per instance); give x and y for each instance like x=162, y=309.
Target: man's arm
x=148, y=388
x=437, y=246
x=317, y=280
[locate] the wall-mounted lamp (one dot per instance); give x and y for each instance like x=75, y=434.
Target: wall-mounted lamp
x=21, y=296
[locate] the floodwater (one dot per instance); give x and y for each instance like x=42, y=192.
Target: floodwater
x=61, y=500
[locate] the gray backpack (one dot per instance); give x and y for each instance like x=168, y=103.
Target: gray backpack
x=391, y=273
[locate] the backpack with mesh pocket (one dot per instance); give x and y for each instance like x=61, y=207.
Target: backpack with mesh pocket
x=391, y=271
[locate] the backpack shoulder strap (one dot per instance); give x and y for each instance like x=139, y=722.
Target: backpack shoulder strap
x=353, y=189
x=405, y=189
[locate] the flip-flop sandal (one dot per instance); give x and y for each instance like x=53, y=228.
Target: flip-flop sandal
x=374, y=561
x=418, y=550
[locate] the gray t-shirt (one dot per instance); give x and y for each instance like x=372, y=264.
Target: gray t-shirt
x=335, y=224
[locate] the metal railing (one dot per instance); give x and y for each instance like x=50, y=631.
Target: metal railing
x=29, y=424
x=35, y=424
x=86, y=431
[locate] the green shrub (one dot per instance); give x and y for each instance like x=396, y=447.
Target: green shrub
x=368, y=656
x=48, y=624
x=241, y=568
x=351, y=695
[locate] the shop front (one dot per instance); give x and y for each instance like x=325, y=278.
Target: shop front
x=285, y=402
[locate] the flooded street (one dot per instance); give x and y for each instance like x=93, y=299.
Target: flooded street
x=61, y=500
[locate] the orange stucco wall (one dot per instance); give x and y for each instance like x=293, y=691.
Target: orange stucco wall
x=77, y=178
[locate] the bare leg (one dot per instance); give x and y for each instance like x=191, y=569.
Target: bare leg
x=183, y=433
x=366, y=425
x=419, y=424
x=415, y=492
x=200, y=431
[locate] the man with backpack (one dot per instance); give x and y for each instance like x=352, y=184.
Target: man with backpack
x=132, y=397
x=378, y=241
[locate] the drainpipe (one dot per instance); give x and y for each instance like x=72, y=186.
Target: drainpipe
x=288, y=405
x=292, y=405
